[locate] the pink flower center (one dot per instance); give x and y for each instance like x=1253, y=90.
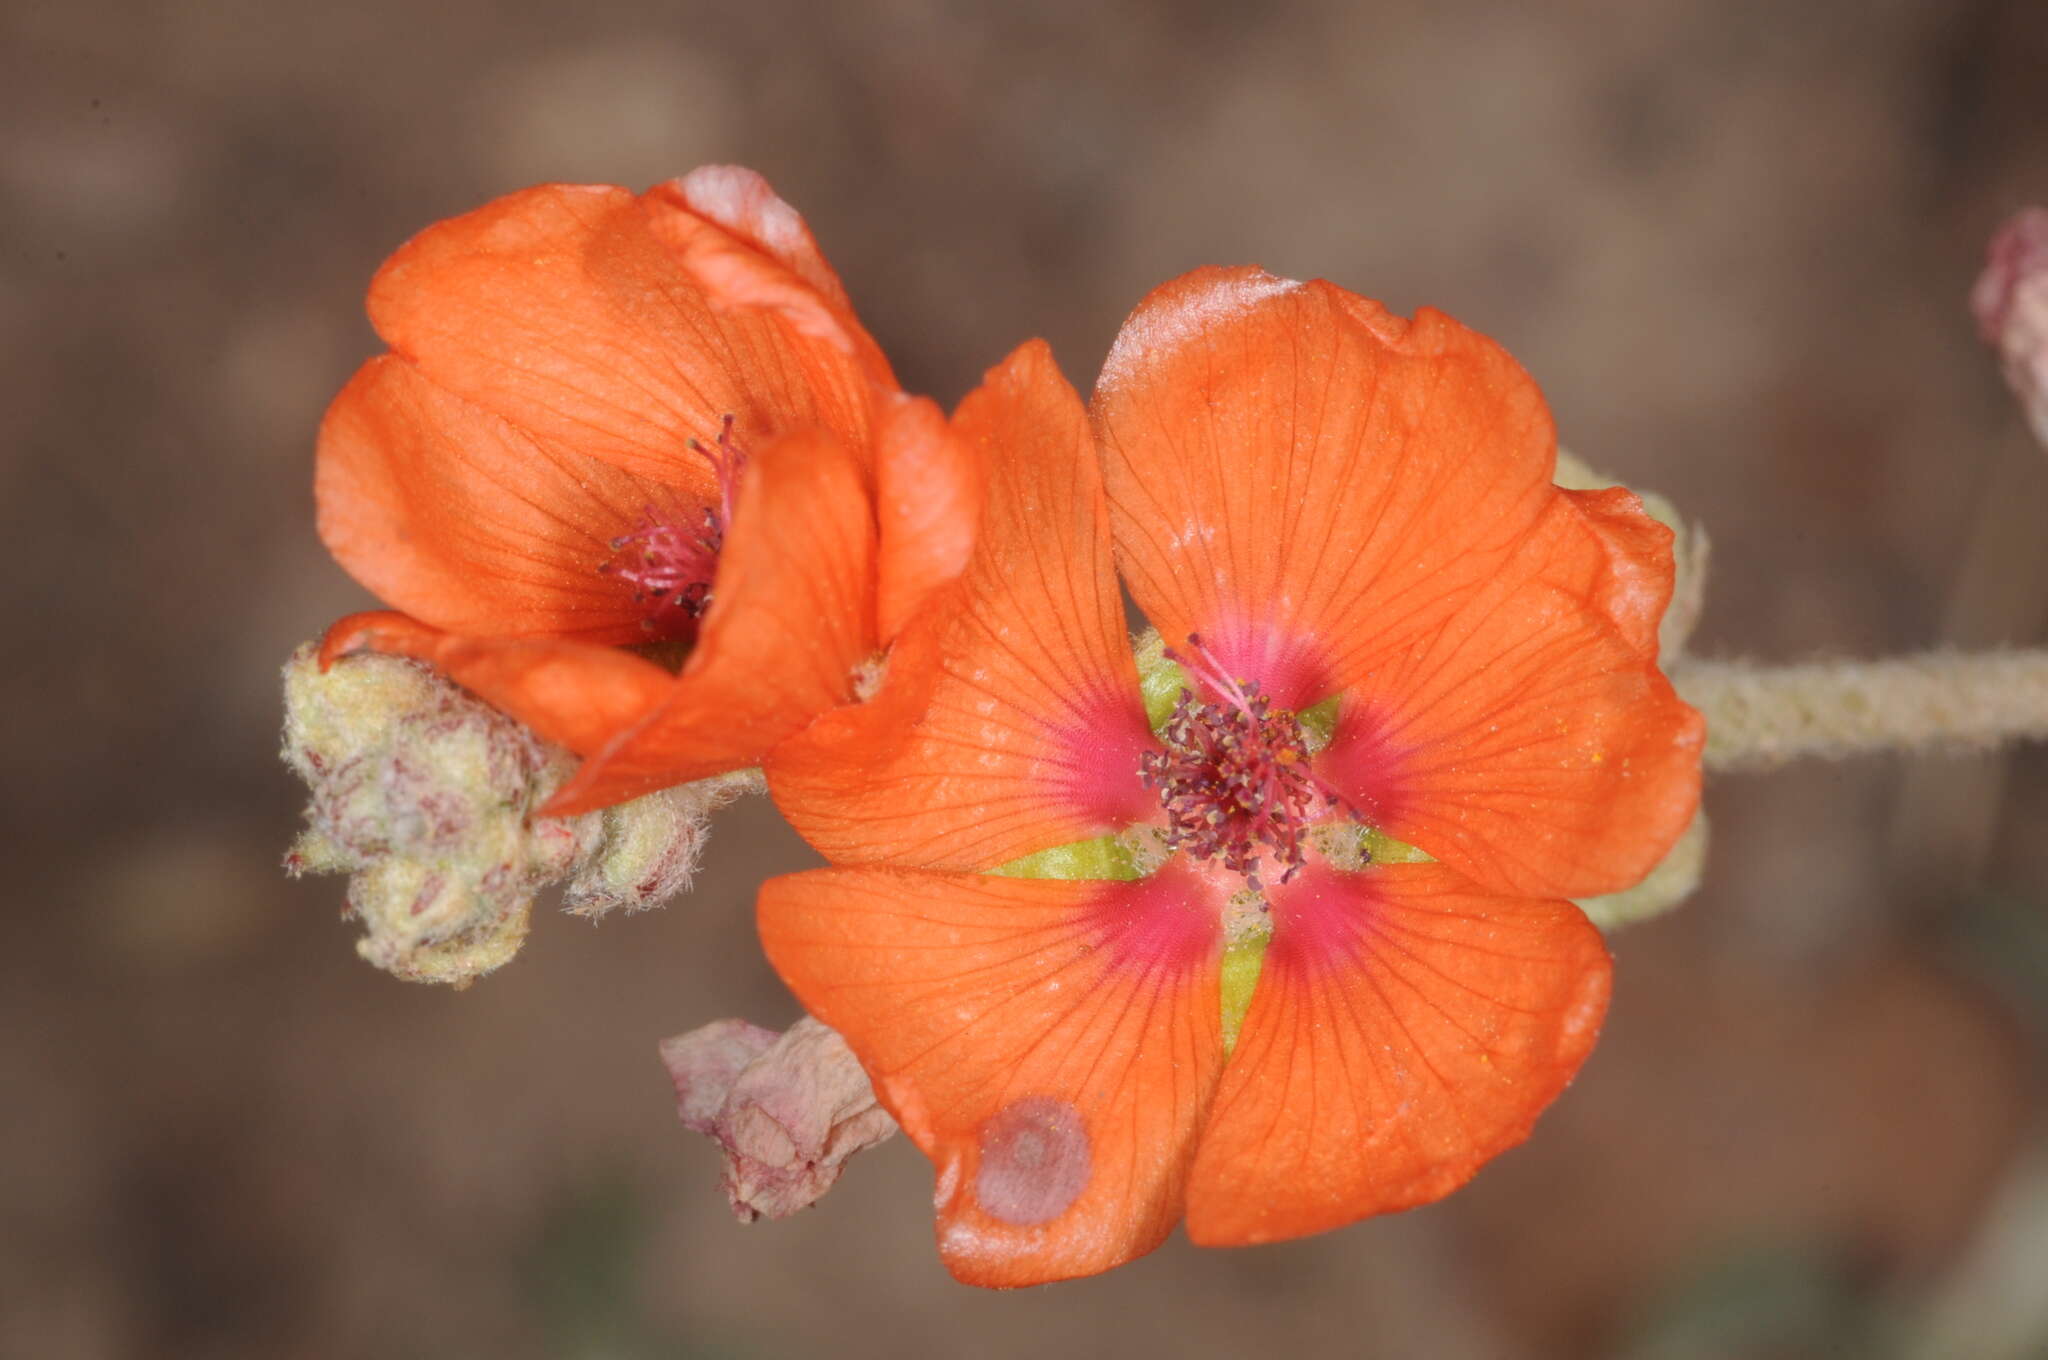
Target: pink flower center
x=1234, y=775
x=672, y=566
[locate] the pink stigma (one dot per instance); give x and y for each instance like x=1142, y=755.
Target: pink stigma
x=671, y=566
x=1234, y=776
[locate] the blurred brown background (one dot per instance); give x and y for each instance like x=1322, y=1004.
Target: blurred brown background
x=1731, y=239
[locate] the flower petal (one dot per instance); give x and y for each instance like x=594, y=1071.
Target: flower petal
x=748, y=248
x=1529, y=741
x=1009, y=720
x=1632, y=583
x=1407, y=1027
x=1293, y=472
x=565, y=310
x=575, y=694
x=1050, y=1044
x=451, y=514
x=928, y=494
x=791, y=616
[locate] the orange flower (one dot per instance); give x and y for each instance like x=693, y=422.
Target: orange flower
x=1387, y=617
x=611, y=420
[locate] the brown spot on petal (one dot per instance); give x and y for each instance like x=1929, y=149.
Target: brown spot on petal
x=1034, y=1161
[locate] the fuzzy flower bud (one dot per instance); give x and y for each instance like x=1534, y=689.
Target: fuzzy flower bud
x=650, y=846
x=2010, y=301
x=426, y=797
x=786, y=1110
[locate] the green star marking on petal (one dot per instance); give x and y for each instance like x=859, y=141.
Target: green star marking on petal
x=1160, y=681
x=1319, y=722
x=1384, y=849
x=1104, y=857
x=1242, y=960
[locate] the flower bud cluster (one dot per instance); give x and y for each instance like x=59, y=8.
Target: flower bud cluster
x=426, y=797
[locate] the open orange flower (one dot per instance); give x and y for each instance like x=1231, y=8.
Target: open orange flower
x=1110, y=970
x=609, y=420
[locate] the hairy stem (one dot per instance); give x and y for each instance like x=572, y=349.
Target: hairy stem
x=1762, y=716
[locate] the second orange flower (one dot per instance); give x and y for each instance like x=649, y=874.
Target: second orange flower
x=1284, y=941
